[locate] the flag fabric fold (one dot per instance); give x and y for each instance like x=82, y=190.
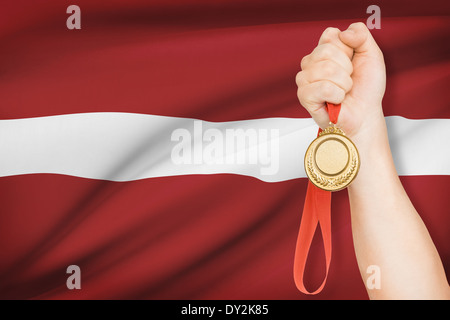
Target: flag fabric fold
x=88, y=129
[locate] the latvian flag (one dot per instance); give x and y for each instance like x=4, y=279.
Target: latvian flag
x=159, y=146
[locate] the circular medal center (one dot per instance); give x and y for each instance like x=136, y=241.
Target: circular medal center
x=332, y=156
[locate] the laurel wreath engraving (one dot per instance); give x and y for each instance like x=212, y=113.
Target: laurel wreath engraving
x=332, y=129
x=335, y=182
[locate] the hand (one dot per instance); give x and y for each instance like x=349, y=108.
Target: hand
x=348, y=68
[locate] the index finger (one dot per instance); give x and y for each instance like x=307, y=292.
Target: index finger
x=331, y=35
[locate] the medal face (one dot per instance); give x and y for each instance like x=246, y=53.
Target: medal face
x=332, y=160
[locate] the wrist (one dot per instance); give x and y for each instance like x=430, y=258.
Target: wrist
x=372, y=132
x=375, y=154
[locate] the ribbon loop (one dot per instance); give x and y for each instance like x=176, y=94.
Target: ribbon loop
x=316, y=212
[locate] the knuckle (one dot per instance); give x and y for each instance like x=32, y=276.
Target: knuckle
x=327, y=89
x=349, y=85
x=304, y=62
x=329, y=30
x=340, y=95
x=349, y=68
x=302, y=97
x=329, y=33
x=328, y=68
x=299, y=78
x=332, y=93
x=326, y=51
x=359, y=25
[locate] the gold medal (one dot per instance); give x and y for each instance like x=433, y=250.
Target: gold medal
x=332, y=160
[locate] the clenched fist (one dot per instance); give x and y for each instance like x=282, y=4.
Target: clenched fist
x=348, y=68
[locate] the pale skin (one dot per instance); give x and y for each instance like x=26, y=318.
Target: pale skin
x=347, y=67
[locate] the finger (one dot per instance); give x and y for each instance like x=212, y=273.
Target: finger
x=328, y=35
x=331, y=71
x=331, y=35
x=314, y=95
x=358, y=37
x=328, y=51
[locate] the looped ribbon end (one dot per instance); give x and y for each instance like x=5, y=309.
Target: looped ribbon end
x=316, y=212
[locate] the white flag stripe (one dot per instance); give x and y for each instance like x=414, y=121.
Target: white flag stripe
x=127, y=146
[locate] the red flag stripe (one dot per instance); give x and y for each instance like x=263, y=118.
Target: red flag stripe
x=180, y=237
x=222, y=74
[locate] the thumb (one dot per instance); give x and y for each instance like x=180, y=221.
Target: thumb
x=358, y=37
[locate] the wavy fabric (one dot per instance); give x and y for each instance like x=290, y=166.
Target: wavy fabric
x=221, y=236
x=127, y=147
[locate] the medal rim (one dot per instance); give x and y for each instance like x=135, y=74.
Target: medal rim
x=324, y=176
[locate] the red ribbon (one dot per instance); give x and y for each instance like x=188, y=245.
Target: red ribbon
x=316, y=212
